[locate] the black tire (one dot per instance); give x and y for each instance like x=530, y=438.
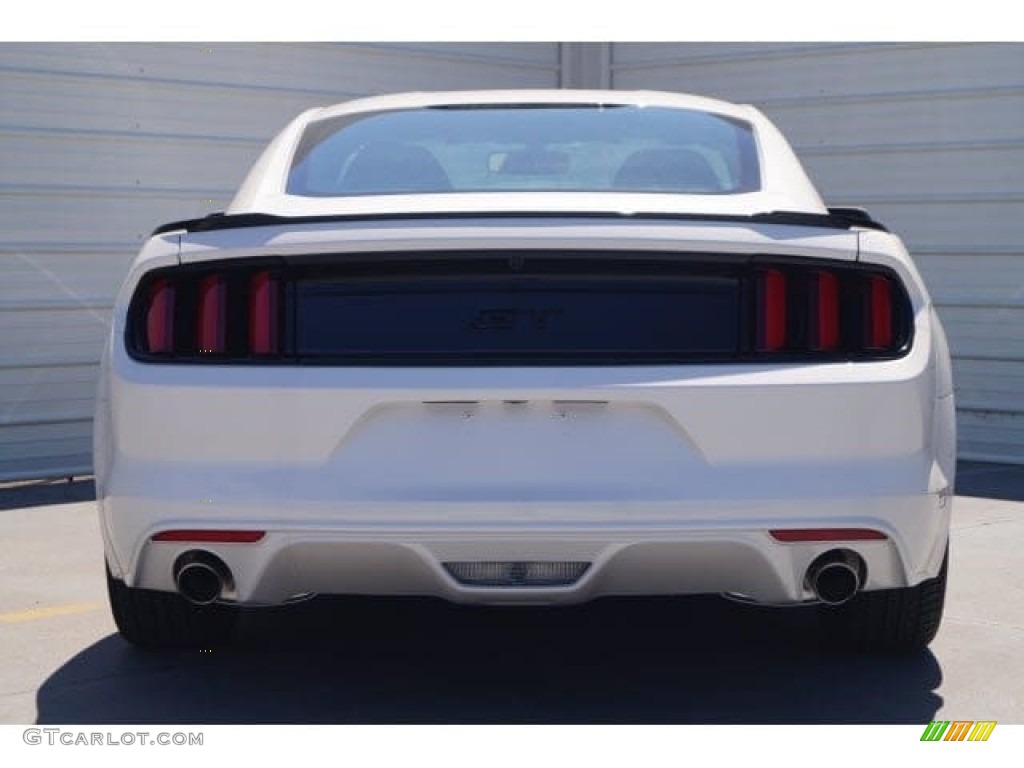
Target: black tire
x=161, y=620
x=891, y=620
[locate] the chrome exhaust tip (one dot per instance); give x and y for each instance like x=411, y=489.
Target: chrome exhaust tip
x=201, y=577
x=835, y=577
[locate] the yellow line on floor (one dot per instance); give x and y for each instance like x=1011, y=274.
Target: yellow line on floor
x=47, y=612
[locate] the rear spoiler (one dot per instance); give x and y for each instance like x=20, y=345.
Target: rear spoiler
x=836, y=218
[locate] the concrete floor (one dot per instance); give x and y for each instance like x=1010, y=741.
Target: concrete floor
x=698, y=660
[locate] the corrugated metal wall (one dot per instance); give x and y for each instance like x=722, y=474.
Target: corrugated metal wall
x=928, y=137
x=101, y=143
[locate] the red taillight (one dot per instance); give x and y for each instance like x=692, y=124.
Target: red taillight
x=160, y=318
x=827, y=310
x=824, y=312
x=226, y=537
x=826, y=534
x=212, y=320
x=771, y=300
x=879, y=333
x=228, y=313
x=263, y=314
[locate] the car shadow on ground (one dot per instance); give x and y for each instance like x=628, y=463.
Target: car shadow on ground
x=35, y=493
x=990, y=481
x=333, y=660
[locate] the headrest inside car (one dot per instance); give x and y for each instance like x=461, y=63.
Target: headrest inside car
x=391, y=166
x=669, y=169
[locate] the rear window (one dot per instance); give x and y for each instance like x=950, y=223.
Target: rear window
x=509, y=148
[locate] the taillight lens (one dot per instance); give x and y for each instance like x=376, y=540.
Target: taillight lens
x=771, y=310
x=212, y=318
x=160, y=318
x=878, y=331
x=263, y=314
x=824, y=311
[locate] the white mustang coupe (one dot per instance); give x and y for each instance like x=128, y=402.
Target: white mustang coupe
x=523, y=348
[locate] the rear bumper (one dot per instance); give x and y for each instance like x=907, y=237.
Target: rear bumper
x=654, y=549
x=664, y=480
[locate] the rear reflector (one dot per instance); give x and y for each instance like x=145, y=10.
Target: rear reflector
x=771, y=299
x=227, y=537
x=826, y=534
x=160, y=318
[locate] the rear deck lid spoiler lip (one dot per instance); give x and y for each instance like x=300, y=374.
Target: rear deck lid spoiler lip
x=838, y=218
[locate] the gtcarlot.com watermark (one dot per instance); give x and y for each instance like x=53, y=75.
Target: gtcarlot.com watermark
x=72, y=738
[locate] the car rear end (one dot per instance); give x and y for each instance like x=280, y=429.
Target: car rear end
x=526, y=348
x=517, y=412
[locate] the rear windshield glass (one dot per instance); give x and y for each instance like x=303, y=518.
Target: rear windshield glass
x=510, y=148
